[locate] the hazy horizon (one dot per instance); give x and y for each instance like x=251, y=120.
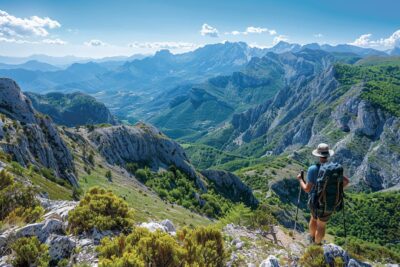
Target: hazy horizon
x=104, y=29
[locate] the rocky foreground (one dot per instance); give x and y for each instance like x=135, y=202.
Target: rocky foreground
x=248, y=248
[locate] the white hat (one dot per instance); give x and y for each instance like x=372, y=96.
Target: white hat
x=323, y=151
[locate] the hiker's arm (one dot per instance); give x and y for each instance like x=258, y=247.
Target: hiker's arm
x=305, y=186
x=346, y=181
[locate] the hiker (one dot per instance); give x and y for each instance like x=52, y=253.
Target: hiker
x=324, y=185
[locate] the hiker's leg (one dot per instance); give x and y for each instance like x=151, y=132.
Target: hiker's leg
x=312, y=227
x=320, y=233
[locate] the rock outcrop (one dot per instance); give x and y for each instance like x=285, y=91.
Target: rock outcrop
x=231, y=187
x=142, y=143
x=30, y=137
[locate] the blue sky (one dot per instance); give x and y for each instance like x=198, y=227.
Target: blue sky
x=108, y=28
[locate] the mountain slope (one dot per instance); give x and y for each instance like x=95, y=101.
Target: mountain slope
x=351, y=108
x=71, y=109
x=31, y=138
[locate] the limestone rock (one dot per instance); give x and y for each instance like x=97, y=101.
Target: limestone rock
x=271, y=261
x=142, y=143
x=60, y=246
x=33, y=138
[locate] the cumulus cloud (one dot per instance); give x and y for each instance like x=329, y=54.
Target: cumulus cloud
x=279, y=38
x=318, y=35
x=94, y=42
x=54, y=41
x=365, y=40
x=207, y=30
x=253, y=30
x=11, y=26
x=163, y=45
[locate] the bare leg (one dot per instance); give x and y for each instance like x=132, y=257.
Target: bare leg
x=320, y=233
x=312, y=227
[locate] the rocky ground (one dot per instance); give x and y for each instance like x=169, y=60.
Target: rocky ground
x=247, y=247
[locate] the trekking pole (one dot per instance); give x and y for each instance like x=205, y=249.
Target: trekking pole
x=298, y=203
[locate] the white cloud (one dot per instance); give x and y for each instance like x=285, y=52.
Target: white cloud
x=163, y=45
x=207, y=30
x=54, y=41
x=17, y=41
x=318, y=35
x=253, y=30
x=279, y=38
x=95, y=42
x=11, y=26
x=365, y=41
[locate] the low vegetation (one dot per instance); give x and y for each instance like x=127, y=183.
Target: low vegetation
x=198, y=247
x=17, y=201
x=28, y=251
x=176, y=187
x=102, y=210
x=381, y=83
x=370, y=217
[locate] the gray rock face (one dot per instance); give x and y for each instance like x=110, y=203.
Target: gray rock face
x=32, y=138
x=230, y=186
x=142, y=143
x=60, y=246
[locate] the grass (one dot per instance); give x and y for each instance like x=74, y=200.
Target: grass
x=147, y=205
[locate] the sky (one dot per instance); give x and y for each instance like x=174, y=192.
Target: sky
x=110, y=28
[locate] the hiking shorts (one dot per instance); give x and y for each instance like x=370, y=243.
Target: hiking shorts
x=324, y=218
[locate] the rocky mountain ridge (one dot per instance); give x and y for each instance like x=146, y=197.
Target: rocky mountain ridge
x=30, y=137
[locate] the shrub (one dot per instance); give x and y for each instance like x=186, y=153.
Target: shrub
x=29, y=252
x=109, y=176
x=204, y=246
x=313, y=257
x=198, y=247
x=100, y=209
x=132, y=167
x=17, y=201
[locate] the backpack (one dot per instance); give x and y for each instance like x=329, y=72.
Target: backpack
x=328, y=194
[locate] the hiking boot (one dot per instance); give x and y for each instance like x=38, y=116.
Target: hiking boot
x=311, y=239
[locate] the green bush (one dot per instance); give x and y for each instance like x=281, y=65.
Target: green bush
x=100, y=209
x=176, y=187
x=28, y=251
x=198, y=247
x=313, y=257
x=109, y=175
x=262, y=218
x=17, y=201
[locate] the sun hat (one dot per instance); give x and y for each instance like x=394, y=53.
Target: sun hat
x=323, y=151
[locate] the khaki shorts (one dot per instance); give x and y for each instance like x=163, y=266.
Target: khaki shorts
x=324, y=218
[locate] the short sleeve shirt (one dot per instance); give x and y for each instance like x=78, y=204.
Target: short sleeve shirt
x=312, y=175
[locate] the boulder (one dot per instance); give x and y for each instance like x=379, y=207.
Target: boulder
x=154, y=226
x=168, y=225
x=271, y=261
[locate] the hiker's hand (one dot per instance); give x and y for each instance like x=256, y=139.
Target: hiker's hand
x=299, y=177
